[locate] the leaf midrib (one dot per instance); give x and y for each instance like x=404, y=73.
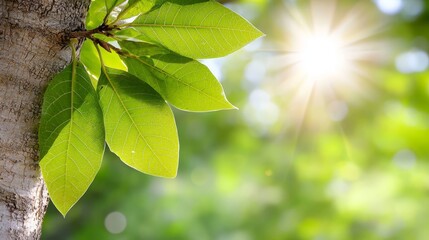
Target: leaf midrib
x=187, y=26
x=73, y=81
x=133, y=122
x=179, y=80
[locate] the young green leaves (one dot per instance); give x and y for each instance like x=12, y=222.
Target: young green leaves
x=71, y=136
x=201, y=30
x=140, y=127
x=185, y=83
x=138, y=55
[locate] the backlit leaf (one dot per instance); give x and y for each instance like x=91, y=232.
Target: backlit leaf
x=143, y=48
x=140, y=127
x=135, y=8
x=201, y=30
x=110, y=4
x=96, y=12
x=71, y=136
x=185, y=83
x=90, y=59
x=112, y=60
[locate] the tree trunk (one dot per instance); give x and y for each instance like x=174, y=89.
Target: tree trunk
x=32, y=50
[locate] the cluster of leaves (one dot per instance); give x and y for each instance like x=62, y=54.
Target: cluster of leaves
x=137, y=56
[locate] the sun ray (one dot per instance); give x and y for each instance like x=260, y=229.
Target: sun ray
x=321, y=46
x=324, y=57
x=302, y=116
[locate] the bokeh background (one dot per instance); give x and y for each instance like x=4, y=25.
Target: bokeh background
x=346, y=158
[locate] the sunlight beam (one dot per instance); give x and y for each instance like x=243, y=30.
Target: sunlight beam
x=330, y=46
x=321, y=56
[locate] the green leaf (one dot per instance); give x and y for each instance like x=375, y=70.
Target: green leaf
x=185, y=83
x=140, y=127
x=104, y=37
x=143, y=48
x=112, y=60
x=113, y=8
x=100, y=11
x=111, y=4
x=136, y=8
x=90, y=59
x=202, y=30
x=96, y=13
x=181, y=2
x=71, y=136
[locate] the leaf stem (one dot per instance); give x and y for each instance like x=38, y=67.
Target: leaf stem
x=102, y=29
x=111, y=47
x=99, y=55
x=72, y=44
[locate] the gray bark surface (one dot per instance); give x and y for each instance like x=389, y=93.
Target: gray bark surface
x=32, y=50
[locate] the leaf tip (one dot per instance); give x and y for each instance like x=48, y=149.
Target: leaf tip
x=258, y=32
x=64, y=209
x=63, y=213
x=230, y=106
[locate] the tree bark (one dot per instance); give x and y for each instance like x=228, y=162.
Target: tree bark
x=32, y=49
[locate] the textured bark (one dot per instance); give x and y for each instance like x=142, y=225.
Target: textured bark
x=32, y=50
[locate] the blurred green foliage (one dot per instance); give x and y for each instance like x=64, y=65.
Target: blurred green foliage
x=364, y=177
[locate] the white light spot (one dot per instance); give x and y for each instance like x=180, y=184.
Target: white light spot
x=215, y=66
x=404, y=159
x=255, y=71
x=247, y=10
x=258, y=96
x=413, y=8
x=255, y=45
x=261, y=111
x=389, y=7
x=412, y=61
x=115, y=222
x=321, y=56
x=337, y=188
x=133, y=152
x=338, y=110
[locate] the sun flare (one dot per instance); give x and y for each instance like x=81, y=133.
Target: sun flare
x=327, y=52
x=321, y=56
